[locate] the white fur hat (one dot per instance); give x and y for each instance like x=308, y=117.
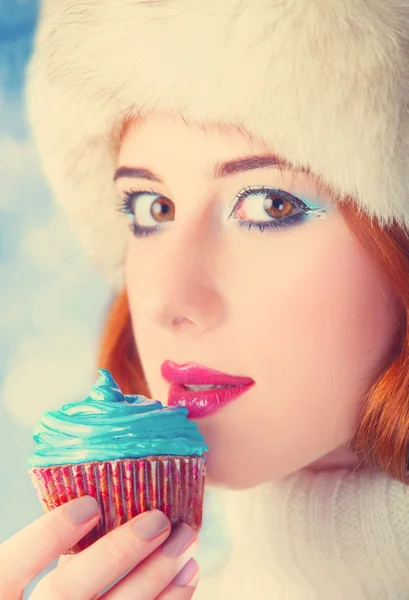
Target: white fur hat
x=324, y=82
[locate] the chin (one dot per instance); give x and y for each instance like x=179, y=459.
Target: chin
x=236, y=473
x=237, y=463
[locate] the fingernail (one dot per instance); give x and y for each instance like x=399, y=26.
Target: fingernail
x=81, y=510
x=150, y=524
x=179, y=541
x=189, y=575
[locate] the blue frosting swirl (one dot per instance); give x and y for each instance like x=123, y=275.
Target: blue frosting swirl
x=109, y=425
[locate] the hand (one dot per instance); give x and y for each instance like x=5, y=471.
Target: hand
x=136, y=547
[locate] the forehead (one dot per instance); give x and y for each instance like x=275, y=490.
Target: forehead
x=162, y=136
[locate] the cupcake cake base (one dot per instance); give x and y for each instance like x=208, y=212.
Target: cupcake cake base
x=125, y=488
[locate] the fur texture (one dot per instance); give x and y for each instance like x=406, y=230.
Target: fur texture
x=324, y=83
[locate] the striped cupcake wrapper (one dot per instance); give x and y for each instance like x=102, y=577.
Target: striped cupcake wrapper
x=125, y=488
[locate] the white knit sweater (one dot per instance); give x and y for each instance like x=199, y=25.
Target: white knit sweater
x=314, y=536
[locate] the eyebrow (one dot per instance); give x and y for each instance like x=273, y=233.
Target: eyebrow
x=248, y=163
x=135, y=172
x=225, y=169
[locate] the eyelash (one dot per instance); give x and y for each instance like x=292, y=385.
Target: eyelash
x=286, y=222
x=128, y=199
x=126, y=203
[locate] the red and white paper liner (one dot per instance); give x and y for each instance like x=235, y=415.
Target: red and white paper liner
x=125, y=488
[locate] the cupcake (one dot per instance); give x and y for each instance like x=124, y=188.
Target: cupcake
x=131, y=453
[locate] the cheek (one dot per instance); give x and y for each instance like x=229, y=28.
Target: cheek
x=315, y=320
x=314, y=299
x=139, y=268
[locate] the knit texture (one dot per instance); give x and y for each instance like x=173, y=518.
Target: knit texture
x=316, y=536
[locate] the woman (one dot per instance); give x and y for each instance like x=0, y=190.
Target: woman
x=260, y=153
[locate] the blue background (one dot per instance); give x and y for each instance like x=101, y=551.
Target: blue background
x=52, y=301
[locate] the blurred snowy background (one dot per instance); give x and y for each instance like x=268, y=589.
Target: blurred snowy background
x=51, y=299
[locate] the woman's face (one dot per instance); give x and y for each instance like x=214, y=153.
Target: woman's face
x=249, y=269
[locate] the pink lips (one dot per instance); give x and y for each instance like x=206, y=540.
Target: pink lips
x=202, y=402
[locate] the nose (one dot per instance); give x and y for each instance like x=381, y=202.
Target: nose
x=181, y=294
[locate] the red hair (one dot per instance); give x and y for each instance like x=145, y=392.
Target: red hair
x=118, y=351
x=382, y=435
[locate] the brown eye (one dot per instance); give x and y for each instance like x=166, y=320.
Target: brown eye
x=278, y=207
x=163, y=209
x=148, y=210
x=265, y=208
x=264, y=205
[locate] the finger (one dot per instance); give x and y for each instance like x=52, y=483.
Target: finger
x=184, y=584
x=28, y=552
x=151, y=577
x=98, y=566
